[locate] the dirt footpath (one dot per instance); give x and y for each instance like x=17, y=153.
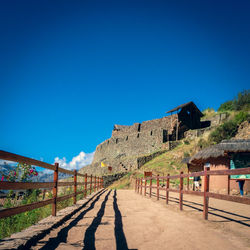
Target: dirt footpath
x=123, y=219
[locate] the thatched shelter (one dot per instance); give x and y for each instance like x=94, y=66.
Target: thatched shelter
x=223, y=149
x=224, y=155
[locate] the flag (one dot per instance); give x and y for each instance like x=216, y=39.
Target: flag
x=103, y=165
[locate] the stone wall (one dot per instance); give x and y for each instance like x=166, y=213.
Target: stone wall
x=133, y=144
x=130, y=146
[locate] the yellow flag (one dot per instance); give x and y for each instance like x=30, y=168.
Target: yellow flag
x=103, y=165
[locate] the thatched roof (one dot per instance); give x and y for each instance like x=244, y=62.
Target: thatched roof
x=235, y=146
x=207, y=153
x=221, y=150
x=184, y=105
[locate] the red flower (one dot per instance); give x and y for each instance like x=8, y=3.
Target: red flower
x=2, y=178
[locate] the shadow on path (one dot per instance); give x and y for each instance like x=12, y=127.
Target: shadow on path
x=89, y=238
x=240, y=221
x=53, y=243
x=121, y=242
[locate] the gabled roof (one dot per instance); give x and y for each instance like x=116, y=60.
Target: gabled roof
x=185, y=105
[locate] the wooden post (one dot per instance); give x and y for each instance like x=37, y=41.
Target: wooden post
x=177, y=128
x=145, y=187
x=75, y=185
x=102, y=182
x=44, y=193
x=228, y=185
x=90, y=190
x=135, y=184
x=85, y=185
x=157, y=181
x=141, y=187
x=167, y=187
x=55, y=189
x=181, y=189
x=95, y=184
x=150, y=187
x=138, y=186
x=206, y=189
x=188, y=181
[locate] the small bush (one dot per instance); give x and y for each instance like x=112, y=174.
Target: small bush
x=186, y=154
x=241, y=102
x=228, y=129
x=226, y=106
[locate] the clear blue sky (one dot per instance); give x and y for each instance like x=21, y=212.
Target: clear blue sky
x=70, y=70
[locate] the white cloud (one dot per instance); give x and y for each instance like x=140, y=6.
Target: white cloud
x=77, y=162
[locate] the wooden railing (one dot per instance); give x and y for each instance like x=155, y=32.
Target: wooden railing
x=90, y=184
x=142, y=183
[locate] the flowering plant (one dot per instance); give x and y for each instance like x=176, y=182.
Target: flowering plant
x=22, y=172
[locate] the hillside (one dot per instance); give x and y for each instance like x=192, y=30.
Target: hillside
x=171, y=162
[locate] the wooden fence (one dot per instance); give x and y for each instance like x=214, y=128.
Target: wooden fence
x=142, y=183
x=90, y=184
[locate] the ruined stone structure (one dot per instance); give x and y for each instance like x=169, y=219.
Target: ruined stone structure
x=128, y=143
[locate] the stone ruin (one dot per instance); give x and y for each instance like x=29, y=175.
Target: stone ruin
x=131, y=146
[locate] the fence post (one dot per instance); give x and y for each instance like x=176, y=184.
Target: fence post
x=75, y=185
x=157, y=181
x=206, y=189
x=145, y=187
x=90, y=191
x=181, y=189
x=85, y=185
x=55, y=189
x=188, y=181
x=98, y=183
x=95, y=185
x=102, y=183
x=138, y=186
x=135, y=184
x=141, y=187
x=167, y=187
x=150, y=188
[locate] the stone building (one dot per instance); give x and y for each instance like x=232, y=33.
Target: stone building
x=127, y=143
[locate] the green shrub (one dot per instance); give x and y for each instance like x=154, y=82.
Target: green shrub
x=241, y=102
x=226, y=106
x=186, y=154
x=225, y=131
x=228, y=129
x=241, y=117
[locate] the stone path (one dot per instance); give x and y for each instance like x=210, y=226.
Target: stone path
x=123, y=219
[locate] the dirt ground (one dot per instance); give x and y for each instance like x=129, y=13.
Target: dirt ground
x=123, y=219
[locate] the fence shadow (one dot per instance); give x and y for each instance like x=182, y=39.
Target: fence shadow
x=121, y=242
x=242, y=219
x=53, y=243
x=89, y=237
